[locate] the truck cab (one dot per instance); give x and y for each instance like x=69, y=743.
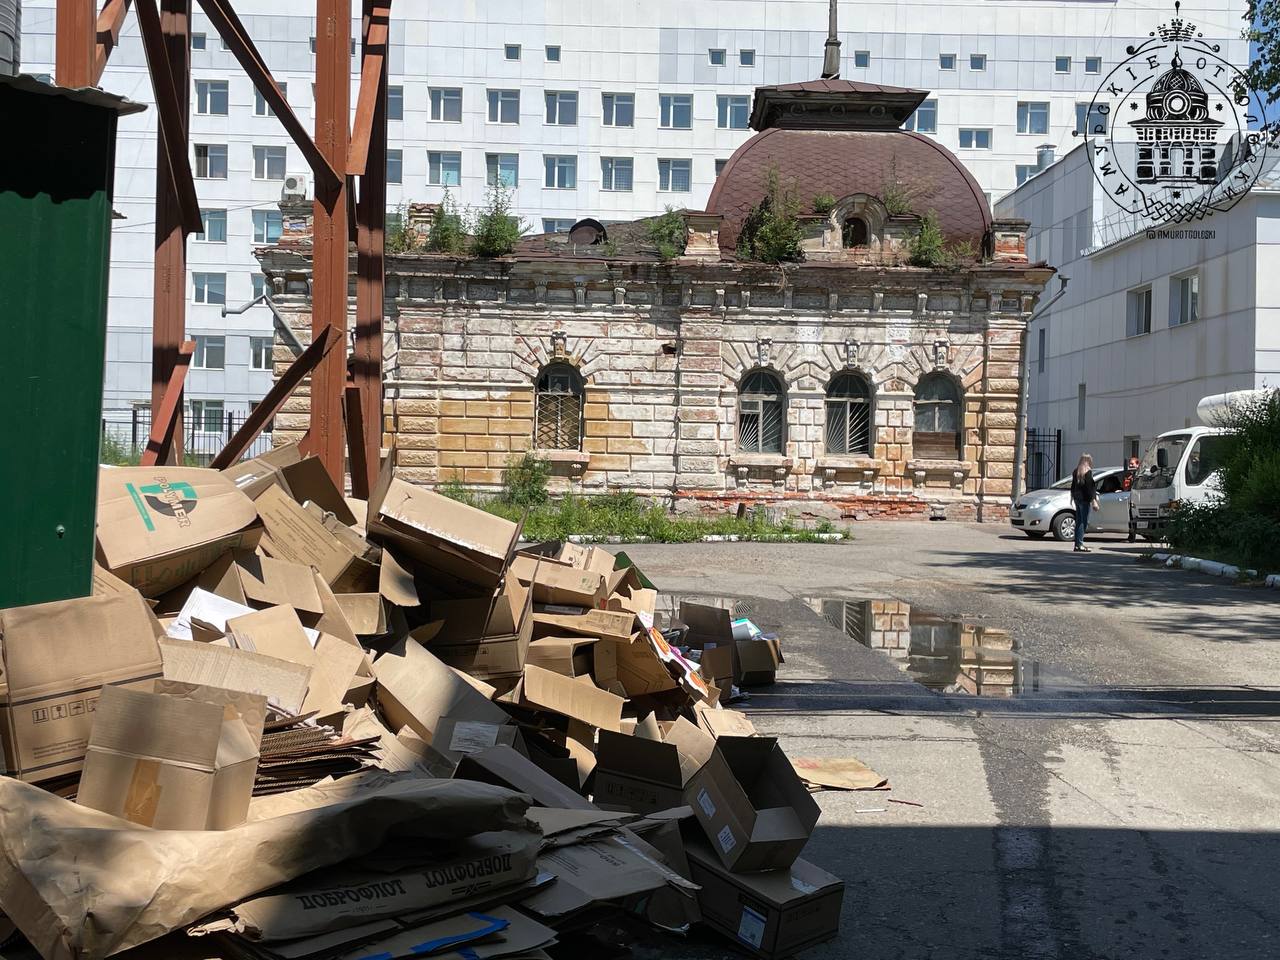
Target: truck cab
x=1180, y=466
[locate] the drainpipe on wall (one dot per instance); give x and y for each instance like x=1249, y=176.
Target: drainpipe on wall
x=675, y=453
x=1024, y=387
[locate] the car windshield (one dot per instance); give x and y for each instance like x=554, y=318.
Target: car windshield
x=1161, y=461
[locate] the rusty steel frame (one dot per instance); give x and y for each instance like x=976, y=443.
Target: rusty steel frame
x=84, y=43
x=275, y=398
x=169, y=412
x=356, y=449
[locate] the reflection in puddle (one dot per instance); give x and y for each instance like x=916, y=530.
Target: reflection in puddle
x=943, y=654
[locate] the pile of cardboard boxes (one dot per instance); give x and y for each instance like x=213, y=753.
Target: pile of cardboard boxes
x=417, y=735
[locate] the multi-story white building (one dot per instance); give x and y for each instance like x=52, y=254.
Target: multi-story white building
x=611, y=109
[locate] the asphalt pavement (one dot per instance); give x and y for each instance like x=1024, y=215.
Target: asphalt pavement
x=1120, y=803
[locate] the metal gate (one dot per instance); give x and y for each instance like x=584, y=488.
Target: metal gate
x=1044, y=457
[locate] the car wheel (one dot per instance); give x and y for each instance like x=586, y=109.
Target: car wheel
x=1035, y=534
x=1064, y=526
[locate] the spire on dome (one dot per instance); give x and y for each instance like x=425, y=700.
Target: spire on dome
x=831, y=49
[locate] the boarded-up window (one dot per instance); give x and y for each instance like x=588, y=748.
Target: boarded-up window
x=937, y=419
x=762, y=403
x=849, y=416
x=558, y=409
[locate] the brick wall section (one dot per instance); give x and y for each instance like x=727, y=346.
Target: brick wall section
x=662, y=349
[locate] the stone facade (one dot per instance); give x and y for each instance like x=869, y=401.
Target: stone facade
x=662, y=348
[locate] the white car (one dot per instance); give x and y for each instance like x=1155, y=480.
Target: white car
x=1050, y=510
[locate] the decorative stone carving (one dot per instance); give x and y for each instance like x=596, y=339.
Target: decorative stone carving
x=764, y=350
x=939, y=354
x=559, y=344
x=852, y=353
x=619, y=296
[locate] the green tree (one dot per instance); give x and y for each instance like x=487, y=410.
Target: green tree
x=771, y=231
x=928, y=247
x=668, y=234
x=1263, y=33
x=446, y=233
x=494, y=229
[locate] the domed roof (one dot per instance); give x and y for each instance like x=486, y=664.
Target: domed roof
x=1176, y=79
x=846, y=162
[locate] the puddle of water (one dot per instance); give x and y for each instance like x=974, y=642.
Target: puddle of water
x=942, y=653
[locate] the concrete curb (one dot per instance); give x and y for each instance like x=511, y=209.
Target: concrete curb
x=1212, y=567
x=713, y=538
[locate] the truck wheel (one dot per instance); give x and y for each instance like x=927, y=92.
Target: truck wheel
x=1064, y=526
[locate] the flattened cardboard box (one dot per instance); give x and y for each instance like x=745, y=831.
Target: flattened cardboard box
x=568, y=656
x=557, y=583
x=575, y=697
x=773, y=914
x=643, y=775
x=254, y=476
x=755, y=810
x=49, y=703
x=348, y=564
x=504, y=767
x=416, y=689
x=160, y=526
x=486, y=638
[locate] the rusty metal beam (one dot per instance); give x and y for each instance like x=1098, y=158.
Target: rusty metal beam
x=232, y=30
x=110, y=22
x=373, y=79
x=360, y=484
x=170, y=88
x=169, y=280
x=167, y=416
x=280, y=391
x=74, y=43
x=371, y=215
x=330, y=267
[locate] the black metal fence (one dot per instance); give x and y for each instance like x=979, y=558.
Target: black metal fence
x=205, y=432
x=1044, y=457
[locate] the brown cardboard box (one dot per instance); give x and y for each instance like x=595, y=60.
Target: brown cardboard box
x=753, y=807
x=504, y=767
x=49, y=702
x=248, y=578
x=254, y=476
x=575, y=697
x=160, y=526
x=366, y=613
x=770, y=915
x=416, y=689
x=486, y=637
x=461, y=546
x=282, y=682
x=348, y=564
x=309, y=482
x=455, y=737
x=757, y=662
x=558, y=583
x=643, y=775
x=568, y=656
x=711, y=631
x=168, y=762
x=603, y=624
x=723, y=721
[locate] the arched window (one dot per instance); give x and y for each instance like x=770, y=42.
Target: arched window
x=762, y=404
x=936, y=435
x=855, y=233
x=849, y=415
x=557, y=423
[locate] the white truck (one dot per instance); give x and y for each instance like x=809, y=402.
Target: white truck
x=1180, y=466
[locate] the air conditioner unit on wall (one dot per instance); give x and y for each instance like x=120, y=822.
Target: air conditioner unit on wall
x=295, y=187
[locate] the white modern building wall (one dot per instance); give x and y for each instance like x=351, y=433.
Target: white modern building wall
x=1006, y=75
x=1147, y=325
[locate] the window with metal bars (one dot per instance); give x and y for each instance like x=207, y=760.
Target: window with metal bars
x=762, y=404
x=936, y=434
x=849, y=416
x=558, y=400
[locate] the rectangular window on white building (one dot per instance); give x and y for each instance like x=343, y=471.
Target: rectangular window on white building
x=925, y=119
x=1092, y=64
x=446, y=104
x=504, y=106
x=266, y=226
x=209, y=288
x=1090, y=121
x=395, y=103
x=511, y=51
x=260, y=106
x=1184, y=299
x=444, y=168
x=211, y=161
x=213, y=226
x=502, y=169
x=675, y=176
x=720, y=165
x=717, y=57
x=977, y=61
x=562, y=108
x=1040, y=349
x=259, y=285
x=268, y=163
x=1137, y=312
x=1025, y=171
x=395, y=166
x=975, y=138
x=732, y=113
x=746, y=58
x=616, y=173
x=206, y=415
x=211, y=97
x=1133, y=448
x=1033, y=117
x=561, y=173
x=556, y=225
x=618, y=109
x=946, y=61
x=259, y=353
x=862, y=59
x=1061, y=64
x=211, y=353
x=675, y=111
x=553, y=53
x=1081, y=400
x=198, y=41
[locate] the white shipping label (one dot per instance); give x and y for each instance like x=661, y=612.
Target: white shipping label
x=646, y=619
x=704, y=801
x=751, y=927
x=727, y=842
x=471, y=736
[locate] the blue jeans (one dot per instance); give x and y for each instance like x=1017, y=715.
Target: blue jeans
x=1082, y=520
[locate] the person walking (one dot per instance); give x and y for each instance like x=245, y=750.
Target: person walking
x=1131, y=474
x=1084, y=496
